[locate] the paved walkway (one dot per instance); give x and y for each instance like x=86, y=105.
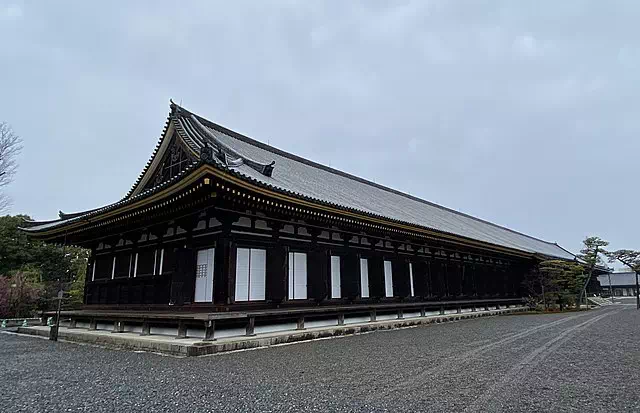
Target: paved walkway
x=584, y=361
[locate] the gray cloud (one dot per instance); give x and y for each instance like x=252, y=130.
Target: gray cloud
x=522, y=113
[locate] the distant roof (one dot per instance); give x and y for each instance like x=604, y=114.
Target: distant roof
x=618, y=279
x=283, y=171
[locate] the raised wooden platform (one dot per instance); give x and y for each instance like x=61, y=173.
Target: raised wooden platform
x=196, y=346
x=207, y=321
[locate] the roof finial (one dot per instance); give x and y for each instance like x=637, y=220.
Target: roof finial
x=206, y=153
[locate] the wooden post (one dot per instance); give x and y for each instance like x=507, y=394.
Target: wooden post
x=251, y=323
x=182, y=329
x=209, y=329
x=223, y=270
x=118, y=326
x=146, y=328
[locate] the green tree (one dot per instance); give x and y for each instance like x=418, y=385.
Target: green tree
x=591, y=254
x=592, y=251
x=631, y=259
x=19, y=295
x=49, y=266
x=564, y=279
x=538, y=285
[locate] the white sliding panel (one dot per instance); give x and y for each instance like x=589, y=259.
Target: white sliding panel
x=290, y=277
x=257, y=272
x=242, y=274
x=204, y=276
x=297, y=276
x=364, y=278
x=135, y=266
x=411, y=279
x=388, y=279
x=161, y=261
x=335, y=276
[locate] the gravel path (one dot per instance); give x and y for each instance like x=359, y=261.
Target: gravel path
x=523, y=363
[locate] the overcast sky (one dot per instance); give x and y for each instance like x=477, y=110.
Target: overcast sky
x=524, y=113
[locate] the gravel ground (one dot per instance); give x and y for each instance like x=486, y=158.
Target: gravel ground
x=586, y=361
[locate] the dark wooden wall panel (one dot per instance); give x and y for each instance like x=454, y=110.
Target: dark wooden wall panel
x=350, y=275
x=276, y=276
x=317, y=273
x=146, y=261
x=420, y=278
x=104, y=266
x=376, y=276
x=400, y=276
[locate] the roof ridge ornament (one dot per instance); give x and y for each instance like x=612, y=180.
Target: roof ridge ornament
x=206, y=153
x=231, y=157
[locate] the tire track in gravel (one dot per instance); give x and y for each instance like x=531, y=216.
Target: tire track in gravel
x=457, y=361
x=484, y=402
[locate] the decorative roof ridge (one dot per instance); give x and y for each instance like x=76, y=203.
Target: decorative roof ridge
x=329, y=169
x=263, y=168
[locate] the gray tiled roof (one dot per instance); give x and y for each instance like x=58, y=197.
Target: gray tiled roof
x=311, y=180
x=303, y=177
x=618, y=279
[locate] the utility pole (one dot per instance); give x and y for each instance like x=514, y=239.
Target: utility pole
x=610, y=288
x=53, y=333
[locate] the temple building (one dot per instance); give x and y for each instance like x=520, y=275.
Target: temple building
x=618, y=284
x=221, y=225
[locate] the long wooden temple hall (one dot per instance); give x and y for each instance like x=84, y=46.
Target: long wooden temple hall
x=220, y=230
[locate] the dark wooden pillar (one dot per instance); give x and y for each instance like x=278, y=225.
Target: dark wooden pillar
x=466, y=284
x=453, y=277
x=183, y=276
x=420, y=282
x=376, y=276
x=482, y=285
x=161, y=285
x=400, y=277
x=492, y=282
x=134, y=291
x=349, y=270
x=471, y=277
x=276, y=275
x=318, y=269
x=224, y=268
x=437, y=276
x=350, y=274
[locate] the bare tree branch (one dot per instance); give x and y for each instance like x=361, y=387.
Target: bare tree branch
x=10, y=147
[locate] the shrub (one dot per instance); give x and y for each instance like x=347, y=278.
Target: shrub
x=19, y=295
